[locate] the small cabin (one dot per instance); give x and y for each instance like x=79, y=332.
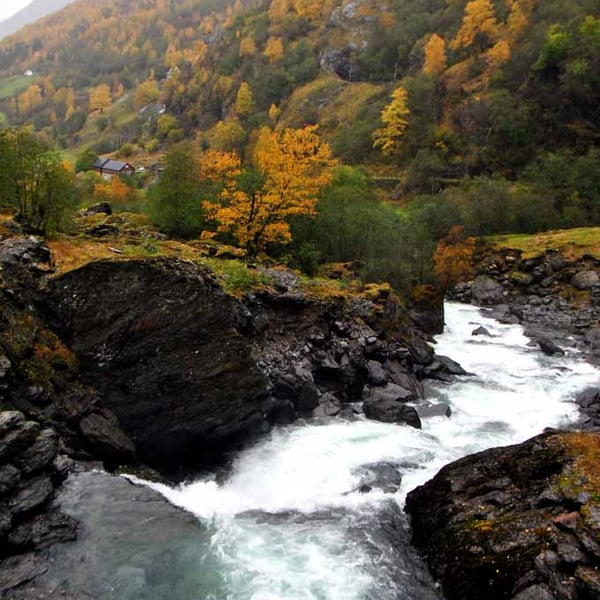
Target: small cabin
x=108, y=167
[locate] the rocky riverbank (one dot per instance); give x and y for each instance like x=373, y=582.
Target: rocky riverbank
x=555, y=298
x=148, y=362
x=520, y=523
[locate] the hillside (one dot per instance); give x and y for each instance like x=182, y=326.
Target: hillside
x=32, y=12
x=498, y=98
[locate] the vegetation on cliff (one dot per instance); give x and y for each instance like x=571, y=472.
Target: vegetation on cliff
x=486, y=111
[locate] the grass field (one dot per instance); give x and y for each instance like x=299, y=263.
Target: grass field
x=573, y=243
x=9, y=86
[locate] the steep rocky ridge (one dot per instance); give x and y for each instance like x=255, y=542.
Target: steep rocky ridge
x=521, y=522
x=191, y=372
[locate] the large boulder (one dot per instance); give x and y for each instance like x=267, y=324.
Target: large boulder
x=520, y=523
x=485, y=291
x=160, y=342
x=391, y=411
x=584, y=280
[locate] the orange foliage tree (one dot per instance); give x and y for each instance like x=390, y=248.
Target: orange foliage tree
x=114, y=191
x=452, y=260
x=291, y=167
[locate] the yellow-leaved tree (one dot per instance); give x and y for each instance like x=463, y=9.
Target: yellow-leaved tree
x=290, y=168
x=479, y=26
x=244, y=102
x=100, y=98
x=394, y=117
x=435, y=55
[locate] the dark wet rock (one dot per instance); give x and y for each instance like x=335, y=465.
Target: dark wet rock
x=329, y=406
x=9, y=477
x=421, y=353
x=391, y=391
x=17, y=439
x=5, y=366
x=297, y=384
x=24, y=251
x=30, y=494
x=443, y=368
x=40, y=454
x=522, y=279
x=584, y=280
x=390, y=411
x=102, y=432
x=535, y=592
x=381, y=476
x=510, y=523
x=376, y=373
x=481, y=331
x=433, y=410
x=427, y=313
x=399, y=375
x=43, y=531
x=588, y=402
x=9, y=420
x=592, y=337
x=547, y=346
x=18, y=570
x=174, y=369
x=485, y=291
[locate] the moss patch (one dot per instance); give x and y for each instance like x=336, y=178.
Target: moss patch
x=572, y=243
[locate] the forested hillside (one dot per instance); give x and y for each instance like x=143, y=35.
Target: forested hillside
x=483, y=113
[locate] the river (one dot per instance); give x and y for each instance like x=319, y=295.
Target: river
x=290, y=521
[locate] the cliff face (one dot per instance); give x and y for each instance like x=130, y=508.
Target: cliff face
x=158, y=340
x=521, y=522
x=149, y=360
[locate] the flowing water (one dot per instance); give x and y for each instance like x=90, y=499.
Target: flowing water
x=290, y=522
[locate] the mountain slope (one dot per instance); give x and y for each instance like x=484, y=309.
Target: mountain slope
x=493, y=87
x=32, y=12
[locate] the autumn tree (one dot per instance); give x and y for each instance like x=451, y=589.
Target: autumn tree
x=247, y=47
x=146, y=93
x=290, y=167
x=30, y=99
x=244, y=102
x=274, y=113
x=274, y=48
x=394, y=118
x=479, y=26
x=452, y=260
x=115, y=192
x=100, y=98
x=435, y=55
x=498, y=54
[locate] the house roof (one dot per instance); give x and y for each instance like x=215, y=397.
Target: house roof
x=111, y=165
x=115, y=165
